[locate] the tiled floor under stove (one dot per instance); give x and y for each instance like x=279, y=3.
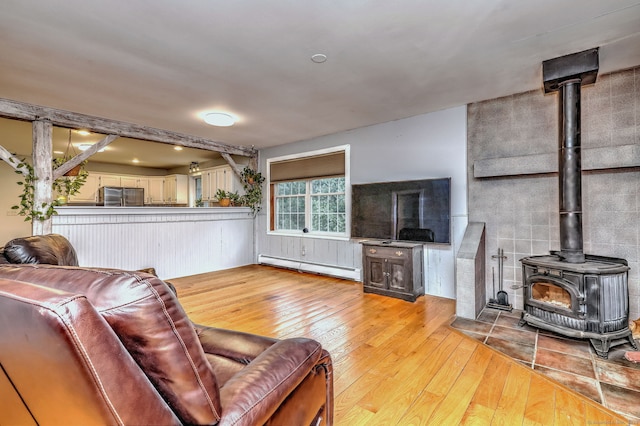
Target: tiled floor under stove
x=613, y=382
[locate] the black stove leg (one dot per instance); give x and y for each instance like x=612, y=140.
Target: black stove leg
x=601, y=347
x=522, y=321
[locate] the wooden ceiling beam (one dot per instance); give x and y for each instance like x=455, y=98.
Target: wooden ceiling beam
x=28, y=112
x=78, y=159
x=234, y=166
x=12, y=160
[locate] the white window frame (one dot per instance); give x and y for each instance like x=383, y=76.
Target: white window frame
x=347, y=195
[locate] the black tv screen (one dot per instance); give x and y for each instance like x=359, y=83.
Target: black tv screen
x=415, y=210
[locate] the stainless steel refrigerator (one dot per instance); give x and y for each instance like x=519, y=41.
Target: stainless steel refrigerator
x=120, y=197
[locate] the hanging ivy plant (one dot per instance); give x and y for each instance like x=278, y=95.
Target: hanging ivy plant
x=63, y=186
x=252, y=183
x=69, y=184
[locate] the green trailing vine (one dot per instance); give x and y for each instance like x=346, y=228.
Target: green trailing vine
x=69, y=185
x=64, y=186
x=252, y=184
x=252, y=181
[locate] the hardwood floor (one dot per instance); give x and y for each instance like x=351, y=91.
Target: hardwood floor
x=395, y=362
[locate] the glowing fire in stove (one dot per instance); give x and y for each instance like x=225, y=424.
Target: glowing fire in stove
x=552, y=294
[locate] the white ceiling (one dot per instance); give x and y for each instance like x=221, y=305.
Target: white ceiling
x=162, y=63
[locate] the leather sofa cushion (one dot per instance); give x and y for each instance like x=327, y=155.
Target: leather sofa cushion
x=144, y=314
x=52, y=249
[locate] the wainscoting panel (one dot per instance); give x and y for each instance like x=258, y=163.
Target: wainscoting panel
x=439, y=261
x=176, y=242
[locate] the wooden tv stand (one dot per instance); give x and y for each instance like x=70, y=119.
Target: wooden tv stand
x=393, y=268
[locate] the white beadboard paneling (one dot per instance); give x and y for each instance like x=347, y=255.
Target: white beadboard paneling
x=440, y=262
x=175, y=241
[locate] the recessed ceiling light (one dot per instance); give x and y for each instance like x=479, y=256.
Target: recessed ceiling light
x=177, y=148
x=319, y=58
x=86, y=146
x=220, y=119
x=135, y=160
x=83, y=132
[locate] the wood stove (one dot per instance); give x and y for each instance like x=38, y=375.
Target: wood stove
x=568, y=292
x=588, y=300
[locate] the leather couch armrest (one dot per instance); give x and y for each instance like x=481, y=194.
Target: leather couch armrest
x=52, y=249
x=236, y=345
x=252, y=395
x=3, y=258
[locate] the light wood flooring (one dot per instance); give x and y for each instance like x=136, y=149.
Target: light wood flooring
x=395, y=362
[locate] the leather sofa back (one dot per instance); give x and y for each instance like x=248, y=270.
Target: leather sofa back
x=66, y=364
x=52, y=249
x=152, y=326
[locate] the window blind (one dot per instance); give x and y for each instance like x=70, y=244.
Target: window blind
x=317, y=166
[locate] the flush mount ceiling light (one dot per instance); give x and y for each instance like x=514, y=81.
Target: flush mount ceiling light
x=319, y=58
x=220, y=119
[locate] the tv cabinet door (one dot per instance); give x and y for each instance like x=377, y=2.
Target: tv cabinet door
x=375, y=272
x=400, y=275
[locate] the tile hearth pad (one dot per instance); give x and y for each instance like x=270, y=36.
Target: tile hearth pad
x=612, y=382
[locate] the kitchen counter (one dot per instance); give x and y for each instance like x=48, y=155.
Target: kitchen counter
x=64, y=211
x=176, y=241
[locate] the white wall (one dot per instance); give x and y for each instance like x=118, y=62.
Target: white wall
x=425, y=146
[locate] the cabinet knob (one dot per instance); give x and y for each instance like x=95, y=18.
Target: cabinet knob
x=373, y=251
x=399, y=253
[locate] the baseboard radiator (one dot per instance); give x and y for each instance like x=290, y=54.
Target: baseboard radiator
x=314, y=268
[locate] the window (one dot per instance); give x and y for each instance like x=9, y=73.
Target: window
x=326, y=198
x=198, y=185
x=309, y=193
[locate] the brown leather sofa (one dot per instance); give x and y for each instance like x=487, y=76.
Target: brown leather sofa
x=99, y=346
x=52, y=249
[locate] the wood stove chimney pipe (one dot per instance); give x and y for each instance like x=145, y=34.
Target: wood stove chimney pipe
x=566, y=75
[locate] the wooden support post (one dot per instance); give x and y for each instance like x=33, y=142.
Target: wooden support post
x=41, y=157
x=253, y=162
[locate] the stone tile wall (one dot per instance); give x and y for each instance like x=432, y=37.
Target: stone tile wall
x=521, y=211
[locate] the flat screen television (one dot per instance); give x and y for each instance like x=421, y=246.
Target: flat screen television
x=414, y=210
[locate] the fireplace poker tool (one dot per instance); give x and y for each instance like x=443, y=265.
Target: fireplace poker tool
x=500, y=300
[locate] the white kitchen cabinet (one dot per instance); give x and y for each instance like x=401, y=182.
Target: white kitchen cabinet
x=176, y=189
x=109, y=180
x=221, y=177
x=171, y=189
x=208, y=177
x=129, y=181
x=89, y=191
x=156, y=190
x=143, y=182
x=224, y=177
